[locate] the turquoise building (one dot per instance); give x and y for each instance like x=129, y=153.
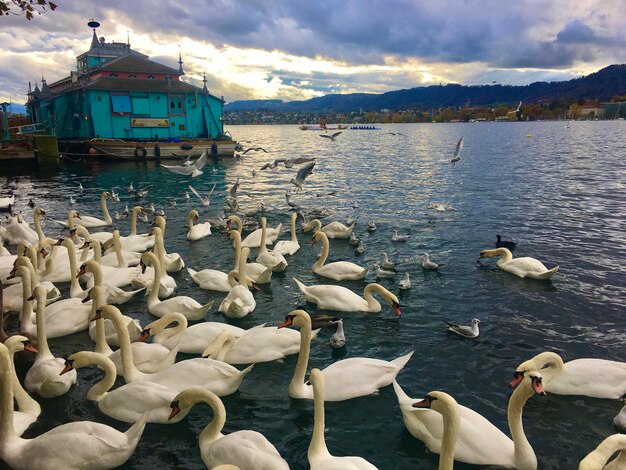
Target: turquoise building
x=119, y=93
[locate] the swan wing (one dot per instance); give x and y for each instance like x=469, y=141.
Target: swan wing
x=245, y=449
x=129, y=402
x=597, y=378
x=181, y=170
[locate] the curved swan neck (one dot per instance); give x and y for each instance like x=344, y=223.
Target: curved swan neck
x=305, y=351
x=549, y=358
x=131, y=373
x=25, y=403
x=95, y=269
x=505, y=255
x=317, y=447
x=319, y=235
x=213, y=430
x=102, y=347
x=220, y=346
x=262, y=247
x=190, y=218
x=159, y=327
x=133, y=220
x=117, y=246
x=152, y=260
x=524, y=455
x=100, y=389
x=97, y=250
x=6, y=400
x=105, y=209
x=597, y=459
x=75, y=289
x=234, y=220
x=37, y=222
x=369, y=298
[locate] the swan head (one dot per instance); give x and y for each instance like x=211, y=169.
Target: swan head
x=187, y=398
x=17, y=343
x=41, y=212
x=496, y=252
x=437, y=401
x=82, y=270
x=107, y=195
x=298, y=318
x=535, y=378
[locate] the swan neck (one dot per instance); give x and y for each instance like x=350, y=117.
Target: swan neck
x=100, y=389
x=131, y=373
x=133, y=221
x=27, y=305
x=102, y=347
x=325, y=250
x=160, y=326
x=262, y=247
x=524, y=455
x=43, y=351
x=451, y=425
x=553, y=360
x=95, y=269
x=117, y=246
x=159, y=248
x=317, y=447
x=303, y=357
x=242, y=270
x=97, y=250
x=71, y=254
x=156, y=265
x=105, y=209
x=33, y=273
x=234, y=234
x=190, y=218
x=25, y=403
x=505, y=255
x=372, y=303
x=213, y=430
x=598, y=458
x=38, y=228
x=294, y=237
x=6, y=400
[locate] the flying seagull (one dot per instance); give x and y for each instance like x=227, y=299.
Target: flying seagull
x=303, y=172
x=457, y=152
x=274, y=164
x=194, y=169
x=519, y=106
x=331, y=137
x=204, y=200
x=253, y=149
x=297, y=161
x=465, y=331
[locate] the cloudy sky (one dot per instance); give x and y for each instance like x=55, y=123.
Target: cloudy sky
x=294, y=49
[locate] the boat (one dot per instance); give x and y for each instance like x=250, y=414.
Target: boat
x=364, y=128
x=118, y=149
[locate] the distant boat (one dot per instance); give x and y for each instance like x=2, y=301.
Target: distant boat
x=365, y=128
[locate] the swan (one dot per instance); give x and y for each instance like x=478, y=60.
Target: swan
x=119, y=258
x=620, y=419
x=339, y=270
x=597, y=378
x=43, y=376
x=258, y=344
x=28, y=409
x=478, y=441
x=271, y=259
x=18, y=230
x=134, y=242
x=254, y=239
x=13, y=301
x=92, y=222
x=128, y=402
x=219, y=377
x=80, y=235
x=318, y=455
x=81, y=444
x=248, y=450
x=341, y=299
x=345, y=379
x=189, y=307
x=114, y=294
x=56, y=268
x=332, y=230
x=258, y=272
x=596, y=460
x=289, y=247
x=198, y=231
x=170, y=262
x=448, y=408
x=112, y=276
x=239, y=302
x=148, y=274
x=524, y=267
x=192, y=339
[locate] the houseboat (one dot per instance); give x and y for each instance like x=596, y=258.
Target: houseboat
x=119, y=104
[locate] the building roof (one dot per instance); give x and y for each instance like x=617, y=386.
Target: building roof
x=131, y=63
x=111, y=49
x=136, y=84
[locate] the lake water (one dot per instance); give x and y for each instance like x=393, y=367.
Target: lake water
x=558, y=190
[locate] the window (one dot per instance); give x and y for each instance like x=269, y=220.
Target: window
x=177, y=104
x=112, y=74
x=141, y=105
x=120, y=104
x=150, y=76
x=132, y=75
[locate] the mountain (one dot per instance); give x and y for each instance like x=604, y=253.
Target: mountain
x=601, y=85
x=15, y=108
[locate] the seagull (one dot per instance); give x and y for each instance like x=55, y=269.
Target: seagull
x=360, y=249
x=465, y=331
x=303, y=172
x=400, y=238
x=231, y=200
x=72, y=200
x=338, y=340
x=273, y=164
x=371, y=226
x=187, y=196
x=115, y=196
x=386, y=264
x=205, y=201
x=405, y=283
x=297, y=161
x=194, y=169
x=173, y=203
x=130, y=189
x=253, y=149
x=428, y=264
x=143, y=191
x=80, y=187
x=457, y=152
x=354, y=241
x=331, y=137
x=519, y=106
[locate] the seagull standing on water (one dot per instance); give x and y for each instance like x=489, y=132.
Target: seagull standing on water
x=399, y=238
x=338, y=340
x=302, y=174
x=465, y=331
x=405, y=283
x=427, y=264
x=332, y=136
x=457, y=152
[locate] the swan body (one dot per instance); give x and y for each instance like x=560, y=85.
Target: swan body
x=113, y=276
x=596, y=460
x=171, y=262
x=620, y=419
x=189, y=307
x=239, y=302
x=289, y=247
x=198, y=231
x=254, y=239
x=248, y=450
x=598, y=378
x=43, y=377
x=341, y=299
x=524, y=267
x=318, y=454
x=120, y=258
x=271, y=259
x=192, y=339
x=18, y=231
x=210, y=279
x=478, y=441
x=345, y=379
x=258, y=272
x=339, y=270
x=91, y=222
x=128, y=402
x=219, y=377
x=76, y=445
x=332, y=230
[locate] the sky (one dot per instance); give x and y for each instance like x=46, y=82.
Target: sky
x=296, y=50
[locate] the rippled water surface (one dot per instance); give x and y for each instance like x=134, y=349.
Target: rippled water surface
x=557, y=190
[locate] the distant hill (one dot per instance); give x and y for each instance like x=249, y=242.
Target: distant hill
x=15, y=108
x=601, y=85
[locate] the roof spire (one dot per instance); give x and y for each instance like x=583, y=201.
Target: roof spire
x=94, y=24
x=180, y=62
x=128, y=39
x=204, y=88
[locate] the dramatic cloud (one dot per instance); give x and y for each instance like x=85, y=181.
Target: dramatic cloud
x=301, y=49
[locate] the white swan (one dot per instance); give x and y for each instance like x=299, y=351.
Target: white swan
x=598, y=378
x=219, y=377
x=254, y=239
x=128, y=402
x=258, y=272
x=248, y=450
x=478, y=441
x=112, y=276
x=120, y=258
x=345, y=379
x=28, y=410
x=81, y=444
x=167, y=284
x=13, y=301
x=339, y=270
x=258, y=344
x=332, y=230
x=43, y=377
x=189, y=307
x=271, y=259
x=18, y=231
x=114, y=294
x=341, y=299
x=597, y=459
x=171, y=262
x=192, y=339
x=524, y=267
x=91, y=222
x=239, y=302
x=318, y=455
x=289, y=247
x=198, y=231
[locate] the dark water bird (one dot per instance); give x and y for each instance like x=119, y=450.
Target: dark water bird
x=253, y=149
x=302, y=174
x=457, y=153
x=465, y=331
x=31, y=203
x=504, y=243
x=332, y=136
x=394, y=133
